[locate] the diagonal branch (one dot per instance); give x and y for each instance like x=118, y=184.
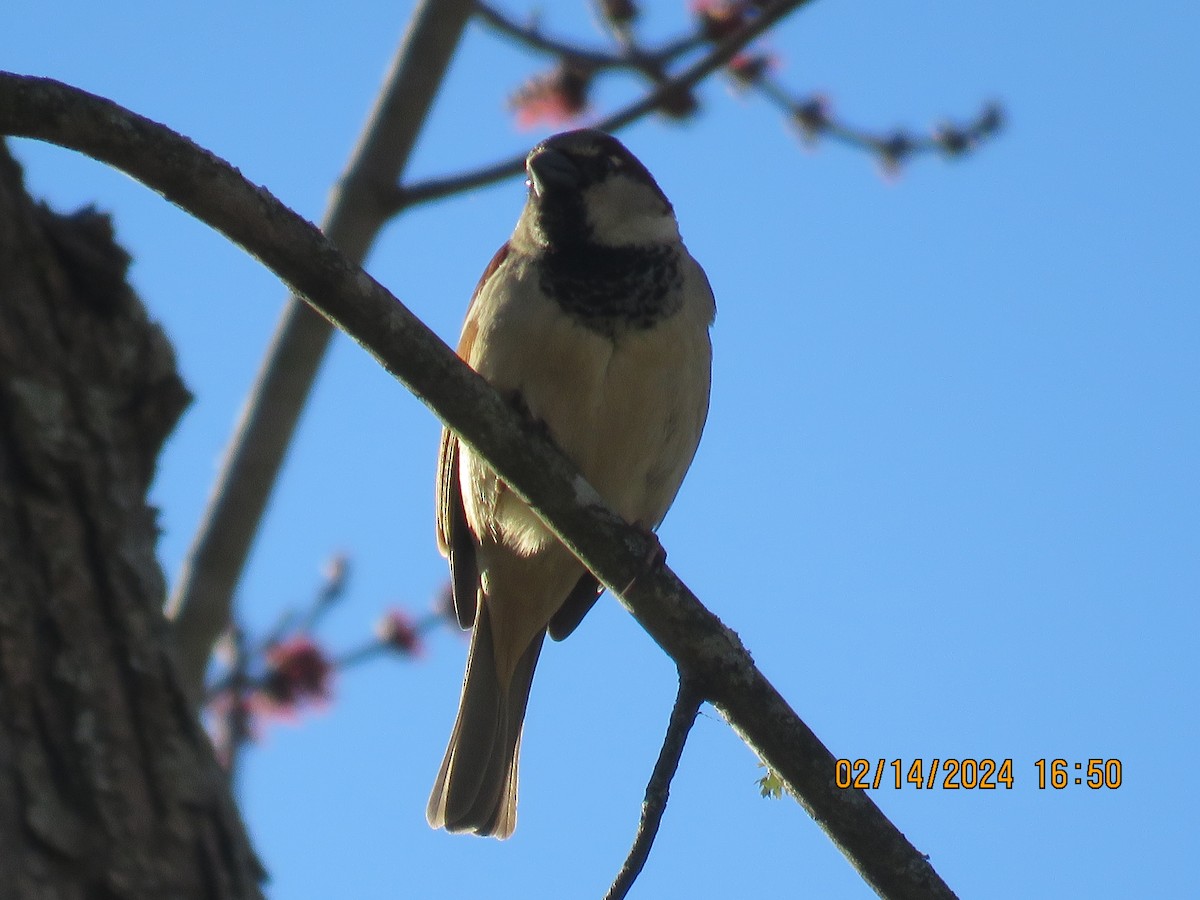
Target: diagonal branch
x=203, y=596
x=295, y=250
x=683, y=714
x=437, y=188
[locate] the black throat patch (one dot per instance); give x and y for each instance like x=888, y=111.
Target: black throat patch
x=613, y=289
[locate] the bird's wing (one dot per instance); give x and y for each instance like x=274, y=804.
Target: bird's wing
x=455, y=540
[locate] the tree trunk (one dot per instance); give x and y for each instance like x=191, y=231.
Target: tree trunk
x=108, y=787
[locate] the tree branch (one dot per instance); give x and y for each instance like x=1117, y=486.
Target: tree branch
x=813, y=118
x=405, y=196
x=683, y=714
x=532, y=36
x=629, y=56
x=203, y=596
x=295, y=250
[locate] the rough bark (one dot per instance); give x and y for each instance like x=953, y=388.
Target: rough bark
x=108, y=788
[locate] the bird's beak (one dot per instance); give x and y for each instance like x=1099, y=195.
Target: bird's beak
x=550, y=170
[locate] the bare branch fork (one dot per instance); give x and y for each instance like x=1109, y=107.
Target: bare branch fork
x=720, y=55
x=295, y=250
x=809, y=115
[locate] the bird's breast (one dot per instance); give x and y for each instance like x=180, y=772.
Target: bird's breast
x=627, y=409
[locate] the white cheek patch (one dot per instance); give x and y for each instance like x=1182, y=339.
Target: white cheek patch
x=623, y=212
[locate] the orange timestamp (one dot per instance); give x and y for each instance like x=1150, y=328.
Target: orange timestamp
x=949, y=774
x=971, y=774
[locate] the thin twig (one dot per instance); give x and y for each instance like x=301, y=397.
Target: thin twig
x=812, y=116
x=257, y=657
x=216, y=193
x=381, y=644
x=532, y=36
x=630, y=55
x=331, y=590
x=290, y=620
x=683, y=714
x=419, y=192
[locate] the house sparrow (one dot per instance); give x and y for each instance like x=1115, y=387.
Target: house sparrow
x=594, y=319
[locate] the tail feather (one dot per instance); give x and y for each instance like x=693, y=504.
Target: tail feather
x=476, y=787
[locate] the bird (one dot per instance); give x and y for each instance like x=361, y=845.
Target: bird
x=594, y=321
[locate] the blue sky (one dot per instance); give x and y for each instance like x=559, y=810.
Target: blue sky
x=947, y=494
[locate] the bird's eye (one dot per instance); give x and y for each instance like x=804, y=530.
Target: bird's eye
x=613, y=163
